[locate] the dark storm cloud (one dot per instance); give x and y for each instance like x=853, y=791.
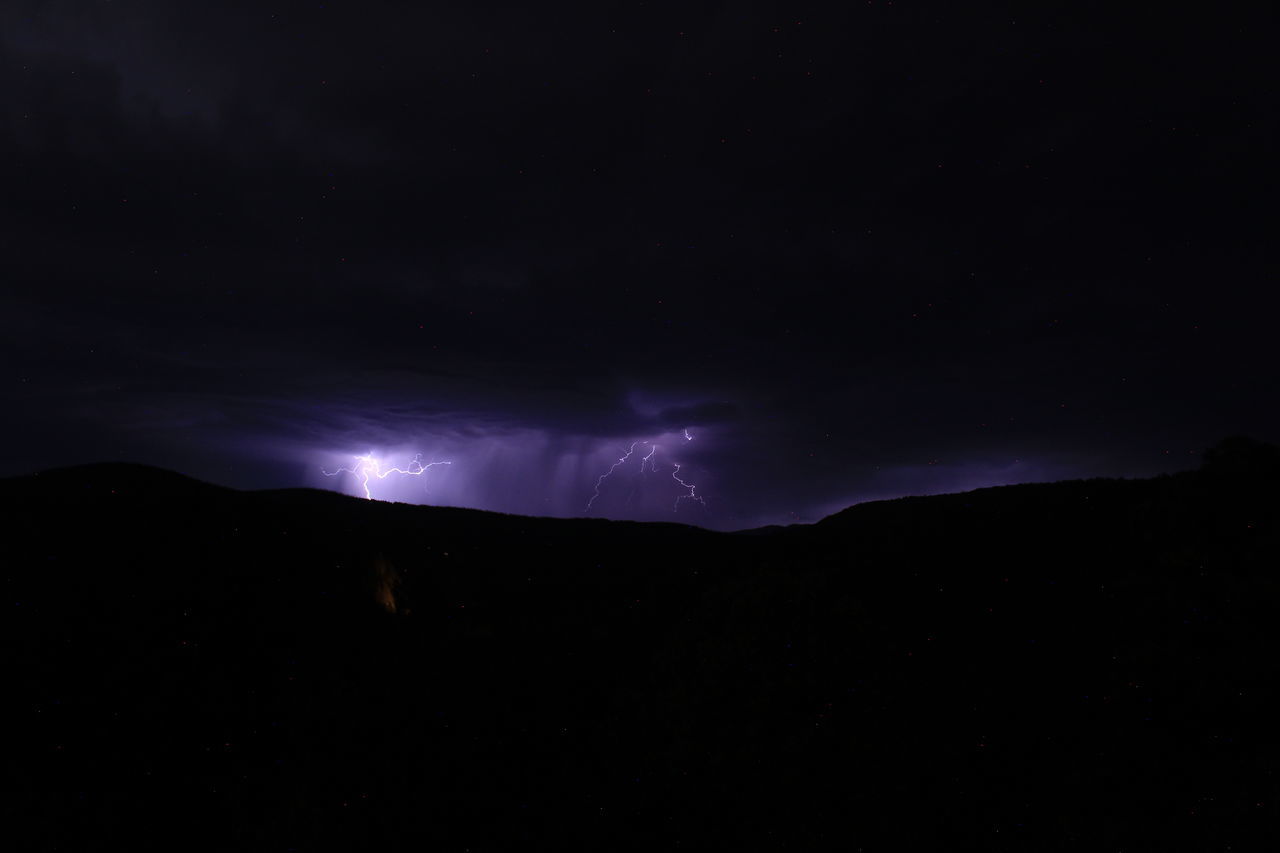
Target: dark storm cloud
x=699, y=414
x=837, y=242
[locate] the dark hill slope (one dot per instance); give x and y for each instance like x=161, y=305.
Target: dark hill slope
x=1080, y=665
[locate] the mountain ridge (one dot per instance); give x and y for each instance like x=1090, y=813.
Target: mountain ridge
x=1053, y=666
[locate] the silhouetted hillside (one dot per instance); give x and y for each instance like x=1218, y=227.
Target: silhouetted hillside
x=1076, y=665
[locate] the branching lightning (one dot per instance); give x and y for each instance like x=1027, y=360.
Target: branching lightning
x=651, y=463
x=693, y=492
x=368, y=465
x=612, y=468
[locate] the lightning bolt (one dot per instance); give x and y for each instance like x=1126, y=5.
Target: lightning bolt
x=693, y=491
x=652, y=464
x=368, y=465
x=612, y=468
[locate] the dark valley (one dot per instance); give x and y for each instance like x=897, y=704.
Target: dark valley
x=1073, y=665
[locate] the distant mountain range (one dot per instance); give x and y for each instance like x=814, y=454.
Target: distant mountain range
x=1077, y=665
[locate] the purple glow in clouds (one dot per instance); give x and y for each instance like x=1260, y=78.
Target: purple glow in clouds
x=690, y=489
x=622, y=460
x=368, y=465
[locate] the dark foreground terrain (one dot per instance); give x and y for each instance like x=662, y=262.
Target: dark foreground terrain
x=1086, y=665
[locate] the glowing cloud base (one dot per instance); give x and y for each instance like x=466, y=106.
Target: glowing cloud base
x=368, y=466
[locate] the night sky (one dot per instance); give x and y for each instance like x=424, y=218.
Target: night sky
x=852, y=250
